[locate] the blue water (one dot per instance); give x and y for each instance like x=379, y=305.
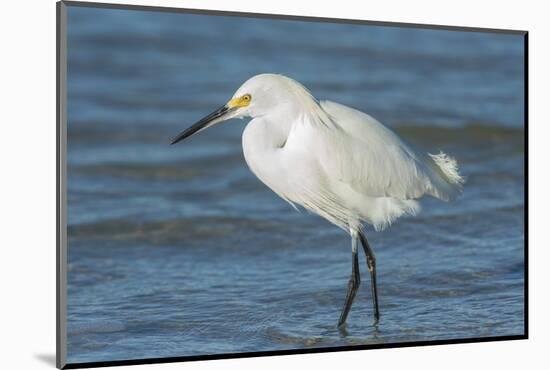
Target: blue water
x=180, y=250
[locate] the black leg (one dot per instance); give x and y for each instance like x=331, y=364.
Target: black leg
x=353, y=283
x=371, y=265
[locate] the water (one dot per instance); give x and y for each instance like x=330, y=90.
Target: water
x=180, y=250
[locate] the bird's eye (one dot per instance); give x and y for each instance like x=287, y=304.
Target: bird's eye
x=247, y=97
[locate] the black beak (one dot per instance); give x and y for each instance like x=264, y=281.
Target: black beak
x=202, y=124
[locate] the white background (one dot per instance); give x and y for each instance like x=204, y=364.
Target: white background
x=27, y=146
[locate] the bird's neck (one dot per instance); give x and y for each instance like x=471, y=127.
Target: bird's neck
x=271, y=131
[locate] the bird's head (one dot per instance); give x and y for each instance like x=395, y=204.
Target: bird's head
x=256, y=97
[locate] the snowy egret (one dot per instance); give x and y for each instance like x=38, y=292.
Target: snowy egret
x=334, y=161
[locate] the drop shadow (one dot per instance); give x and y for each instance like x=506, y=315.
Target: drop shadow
x=47, y=358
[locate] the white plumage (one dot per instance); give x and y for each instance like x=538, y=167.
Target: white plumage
x=336, y=161
x=333, y=160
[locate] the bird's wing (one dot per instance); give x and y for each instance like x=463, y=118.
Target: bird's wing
x=374, y=161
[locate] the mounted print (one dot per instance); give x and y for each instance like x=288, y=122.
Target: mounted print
x=234, y=184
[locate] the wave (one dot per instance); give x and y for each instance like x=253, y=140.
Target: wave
x=468, y=132
x=98, y=327
x=171, y=230
x=90, y=132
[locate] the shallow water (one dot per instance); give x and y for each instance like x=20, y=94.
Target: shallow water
x=180, y=250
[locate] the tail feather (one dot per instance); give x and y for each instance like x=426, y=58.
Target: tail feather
x=451, y=181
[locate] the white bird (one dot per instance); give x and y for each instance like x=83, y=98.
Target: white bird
x=333, y=160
